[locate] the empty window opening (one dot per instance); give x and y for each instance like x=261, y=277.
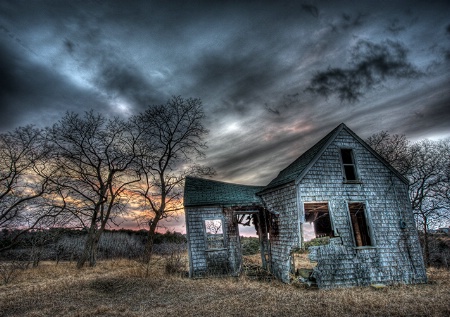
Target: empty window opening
x=214, y=234
x=348, y=165
x=316, y=230
x=358, y=219
x=317, y=221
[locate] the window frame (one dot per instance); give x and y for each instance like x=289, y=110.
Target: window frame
x=330, y=216
x=205, y=230
x=368, y=223
x=353, y=165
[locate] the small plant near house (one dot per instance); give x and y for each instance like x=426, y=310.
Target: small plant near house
x=317, y=242
x=175, y=263
x=174, y=255
x=10, y=270
x=250, y=245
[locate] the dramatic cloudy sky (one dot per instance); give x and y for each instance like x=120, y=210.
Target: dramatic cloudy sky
x=274, y=77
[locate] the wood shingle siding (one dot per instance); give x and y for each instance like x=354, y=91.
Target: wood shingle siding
x=389, y=250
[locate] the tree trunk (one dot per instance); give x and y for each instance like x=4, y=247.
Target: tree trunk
x=90, y=248
x=426, y=248
x=151, y=239
x=94, y=248
x=86, y=251
x=36, y=256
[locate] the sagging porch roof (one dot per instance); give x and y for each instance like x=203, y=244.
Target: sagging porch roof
x=206, y=192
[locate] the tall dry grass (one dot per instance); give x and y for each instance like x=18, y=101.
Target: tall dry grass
x=119, y=288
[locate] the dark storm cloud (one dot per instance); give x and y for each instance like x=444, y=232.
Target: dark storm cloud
x=282, y=109
x=33, y=94
x=248, y=61
x=395, y=26
x=348, y=22
x=255, y=157
x=70, y=47
x=272, y=110
x=351, y=20
x=371, y=65
x=432, y=112
x=240, y=79
x=119, y=79
x=16, y=39
x=311, y=9
x=259, y=162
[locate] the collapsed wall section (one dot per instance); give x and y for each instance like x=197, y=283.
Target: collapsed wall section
x=284, y=229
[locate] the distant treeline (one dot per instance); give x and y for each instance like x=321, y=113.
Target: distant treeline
x=64, y=244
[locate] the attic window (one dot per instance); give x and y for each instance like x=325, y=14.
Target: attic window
x=348, y=165
x=358, y=219
x=214, y=234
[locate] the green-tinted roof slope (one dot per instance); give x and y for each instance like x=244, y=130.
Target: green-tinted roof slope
x=291, y=172
x=204, y=192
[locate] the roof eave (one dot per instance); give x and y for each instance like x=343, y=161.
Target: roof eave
x=319, y=154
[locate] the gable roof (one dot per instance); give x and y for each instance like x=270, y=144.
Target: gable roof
x=204, y=192
x=291, y=172
x=297, y=169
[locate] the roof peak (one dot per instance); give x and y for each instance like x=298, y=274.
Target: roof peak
x=294, y=169
x=301, y=165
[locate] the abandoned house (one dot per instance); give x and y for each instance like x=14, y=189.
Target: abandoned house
x=340, y=192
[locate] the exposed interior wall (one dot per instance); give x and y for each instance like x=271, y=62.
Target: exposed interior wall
x=394, y=253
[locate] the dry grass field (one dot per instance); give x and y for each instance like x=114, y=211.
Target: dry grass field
x=118, y=288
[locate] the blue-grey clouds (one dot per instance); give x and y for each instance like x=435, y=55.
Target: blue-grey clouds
x=250, y=62
x=371, y=64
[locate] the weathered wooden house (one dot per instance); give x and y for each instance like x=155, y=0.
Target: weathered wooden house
x=339, y=190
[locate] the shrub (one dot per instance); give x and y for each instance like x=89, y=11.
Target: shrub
x=10, y=270
x=250, y=245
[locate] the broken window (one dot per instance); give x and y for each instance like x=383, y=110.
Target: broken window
x=348, y=165
x=358, y=219
x=214, y=234
x=317, y=230
x=317, y=221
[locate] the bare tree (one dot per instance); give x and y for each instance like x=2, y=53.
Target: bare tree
x=173, y=135
x=213, y=226
x=426, y=164
x=427, y=181
x=95, y=157
x=393, y=148
x=27, y=198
